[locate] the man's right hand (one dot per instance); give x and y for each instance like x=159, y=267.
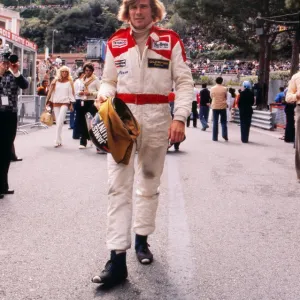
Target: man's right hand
x=99, y=101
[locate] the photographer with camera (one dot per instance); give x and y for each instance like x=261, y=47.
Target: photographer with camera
x=10, y=81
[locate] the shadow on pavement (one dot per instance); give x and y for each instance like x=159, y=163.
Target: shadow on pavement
x=173, y=152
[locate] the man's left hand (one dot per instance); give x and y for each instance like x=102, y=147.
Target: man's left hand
x=14, y=67
x=176, y=131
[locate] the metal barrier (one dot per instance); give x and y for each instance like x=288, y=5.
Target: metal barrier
x=260, y=119
x=30, y=108
x=280, y=117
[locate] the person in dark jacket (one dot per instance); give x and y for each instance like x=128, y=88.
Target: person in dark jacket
x=10, y=81
x=245, y=104
x=289, y=136
x=194, y=111
x=205, y=101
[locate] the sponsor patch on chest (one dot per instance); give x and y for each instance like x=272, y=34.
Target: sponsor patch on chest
x=158, y=63
x=119, y=43
x=164, y=43
x=120, y=63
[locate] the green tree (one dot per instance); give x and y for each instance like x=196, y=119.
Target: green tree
x=34, y=29
x=91, y=19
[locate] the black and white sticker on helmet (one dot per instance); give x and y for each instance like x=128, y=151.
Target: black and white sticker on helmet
x=97, y=132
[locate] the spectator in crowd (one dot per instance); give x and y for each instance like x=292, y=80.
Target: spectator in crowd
x=293, y=96
x=89, y=90
x=60, y=98
x=218, y=94
x=230, y=101
x=148, y=101
x=205, y=102
x=171, y=99
x=43, y=89
x=47, y=76
x=194, y=109
x=52, y=72
x=280, y=96
x=289, y=136
x=11, y=81
x=58, y=61
x=246, y=102
x=78, y=87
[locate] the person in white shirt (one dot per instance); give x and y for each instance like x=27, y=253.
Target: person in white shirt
x=60, y=98
x=58, y=61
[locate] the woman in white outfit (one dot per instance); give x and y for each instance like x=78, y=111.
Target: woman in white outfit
x=61, y=97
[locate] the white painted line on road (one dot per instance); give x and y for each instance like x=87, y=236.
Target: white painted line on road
x=180, y=254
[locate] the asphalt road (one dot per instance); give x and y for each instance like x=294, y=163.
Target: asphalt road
x=228, y=224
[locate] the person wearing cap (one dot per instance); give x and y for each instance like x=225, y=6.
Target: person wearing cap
x=10, y=81
x=142, y=63
x=293, y=96
x=246, y=101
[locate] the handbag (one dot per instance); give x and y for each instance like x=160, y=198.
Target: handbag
x=46, y=118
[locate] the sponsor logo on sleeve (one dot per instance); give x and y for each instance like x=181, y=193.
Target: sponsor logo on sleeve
x=119, y=43
x=164, y=43
x=120, y=63
x=158, y=63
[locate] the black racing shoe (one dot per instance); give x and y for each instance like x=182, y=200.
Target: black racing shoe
x=115, y=270
x=143, y=253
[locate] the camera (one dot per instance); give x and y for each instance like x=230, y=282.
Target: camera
x=6, y=55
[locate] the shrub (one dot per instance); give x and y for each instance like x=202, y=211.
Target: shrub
x=198, y=79
x=280, y=75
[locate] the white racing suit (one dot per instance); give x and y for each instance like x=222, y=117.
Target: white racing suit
x=144, y=84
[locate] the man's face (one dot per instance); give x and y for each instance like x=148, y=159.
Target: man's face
x=45, y=84
x=140, y=14
x=5, y=65
x=88, y=72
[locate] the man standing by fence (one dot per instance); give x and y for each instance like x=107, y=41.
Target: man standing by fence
x=10, y=82
x=293, y=96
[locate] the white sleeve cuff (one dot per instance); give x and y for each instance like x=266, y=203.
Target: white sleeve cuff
x=18, y=74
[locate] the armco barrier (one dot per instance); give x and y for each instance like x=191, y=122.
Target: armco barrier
x=280, y=117
x=260, y=119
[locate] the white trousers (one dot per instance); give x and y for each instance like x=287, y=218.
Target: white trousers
x=60, y=115
x=152, y=147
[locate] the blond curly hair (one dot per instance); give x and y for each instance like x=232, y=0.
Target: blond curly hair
x=62, y=69
x=157, y=7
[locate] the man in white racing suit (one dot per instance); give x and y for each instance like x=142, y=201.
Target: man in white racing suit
x=142, y=63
